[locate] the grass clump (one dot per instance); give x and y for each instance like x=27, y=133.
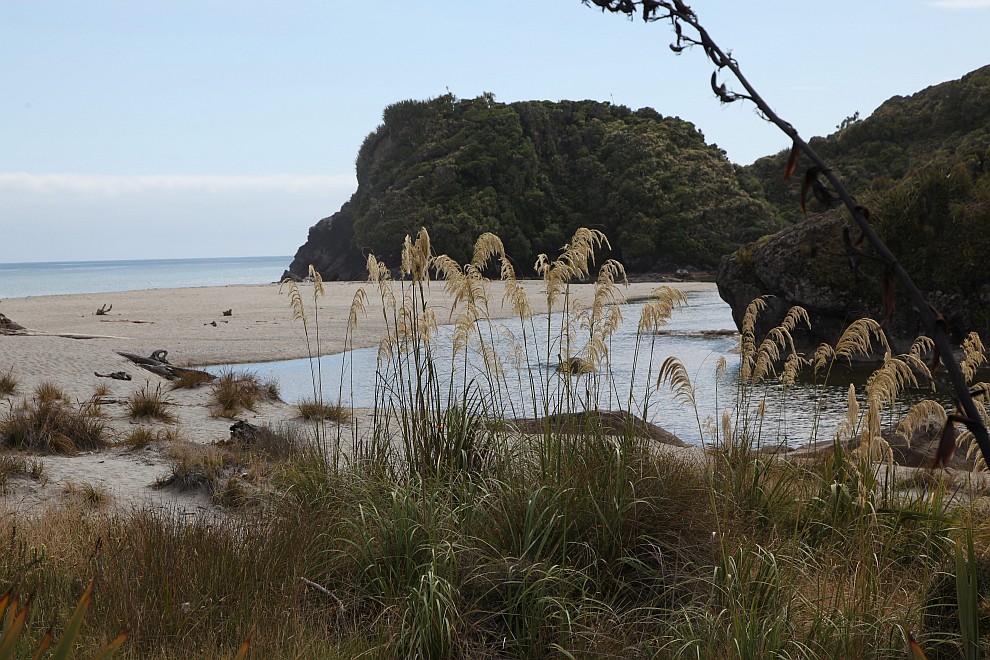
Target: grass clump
x=196, y=467
x=313, y=410
x=150, y=404
x=49, y=423
x=142, y=437
x=13, y=467
x=8, y=383
x=190, y=379
x=87, y=493
x=236, y=391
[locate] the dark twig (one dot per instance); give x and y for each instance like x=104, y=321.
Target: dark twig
x=681, y=15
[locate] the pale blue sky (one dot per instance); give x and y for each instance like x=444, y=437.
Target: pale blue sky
x=195, y=128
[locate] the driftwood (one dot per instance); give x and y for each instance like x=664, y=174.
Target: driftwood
x=116, y=375
x=605, y=422
x=102, y=311
x=157, y=363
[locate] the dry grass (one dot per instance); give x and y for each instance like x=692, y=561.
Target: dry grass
x=196, y=467
x=189, y=379
x=149, y=403
x=142, y=437
x=13, y=467
x=90, y=495
x=8, y=383
x=236, y=391
x=272, y=443
x=48, y=423
x=313, y=410
x=101, y=390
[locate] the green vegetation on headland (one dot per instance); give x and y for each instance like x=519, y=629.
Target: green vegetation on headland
x=921, y=166
x=533, y=172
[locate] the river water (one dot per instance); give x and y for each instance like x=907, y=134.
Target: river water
x=794, y=415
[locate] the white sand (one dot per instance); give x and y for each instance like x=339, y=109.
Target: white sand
x=181, y=321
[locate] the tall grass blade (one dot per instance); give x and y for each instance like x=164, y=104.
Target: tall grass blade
x=64, y=649
x=968, y=598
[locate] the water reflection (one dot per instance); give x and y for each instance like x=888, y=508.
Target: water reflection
x=793, y=415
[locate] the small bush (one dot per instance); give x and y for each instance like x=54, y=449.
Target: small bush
x=8, y=384
x=150, y=404
x=234, y=392
x=49, y=424
x=314, y=410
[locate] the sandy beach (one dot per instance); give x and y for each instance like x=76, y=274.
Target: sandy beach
x=67, y=343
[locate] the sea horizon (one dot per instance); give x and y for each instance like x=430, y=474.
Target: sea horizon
x=47, y=278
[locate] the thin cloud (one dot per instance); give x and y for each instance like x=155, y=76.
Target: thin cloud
x=960, y=4
x=109, y=186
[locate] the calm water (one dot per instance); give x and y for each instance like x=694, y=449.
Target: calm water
x=790, y=416
x=50, y=278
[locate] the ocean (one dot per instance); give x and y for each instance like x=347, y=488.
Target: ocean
x=19, y=280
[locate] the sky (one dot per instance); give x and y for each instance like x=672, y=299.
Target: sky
x=211, y=128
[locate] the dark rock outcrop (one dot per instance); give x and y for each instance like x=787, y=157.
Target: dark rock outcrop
x=330, y=248
x=807, y=264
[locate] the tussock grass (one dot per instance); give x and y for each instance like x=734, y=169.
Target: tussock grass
x=273, y=443
x=8, y=383
x=313, y=410
x=13, y=466
x=142, y=436
x=89, y=494
x=48, y=423
x=236, y=391
x=150, y=404
x=196, y=467
x=190, y=379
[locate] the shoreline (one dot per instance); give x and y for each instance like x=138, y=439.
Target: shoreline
x=190, y=323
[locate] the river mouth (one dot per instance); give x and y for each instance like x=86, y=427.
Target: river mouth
x=700, y=335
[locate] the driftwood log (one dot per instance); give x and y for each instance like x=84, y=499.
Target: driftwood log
x=157, y=363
